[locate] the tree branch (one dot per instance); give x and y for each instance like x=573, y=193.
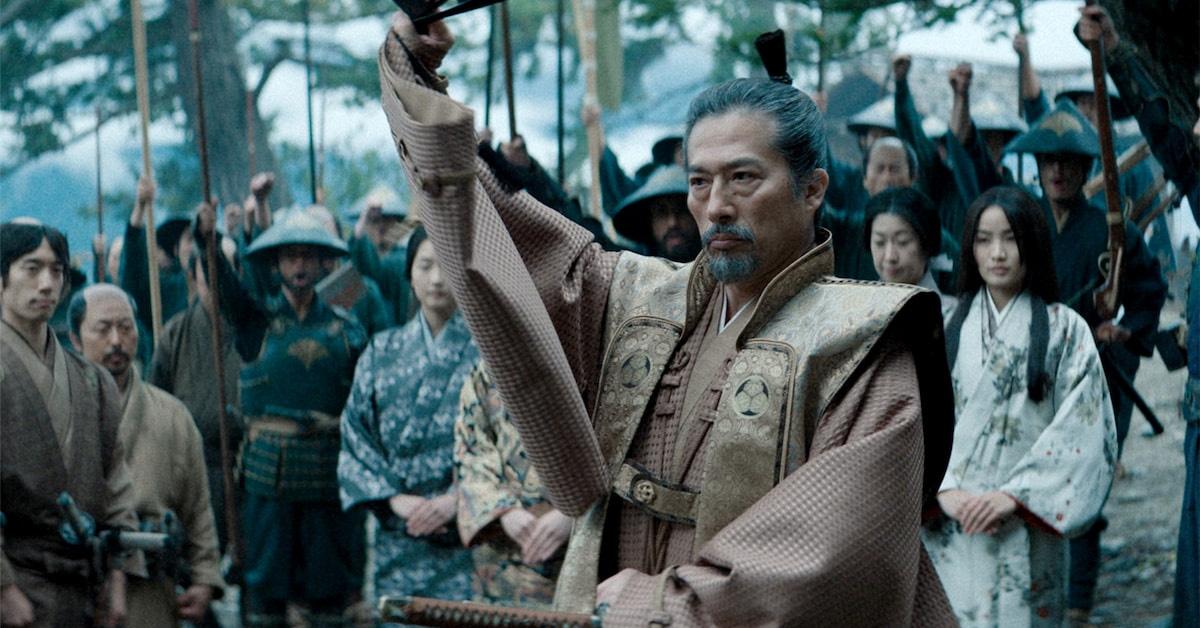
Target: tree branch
x=11, y=10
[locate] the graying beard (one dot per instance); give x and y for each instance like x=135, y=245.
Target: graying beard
x=733, y=268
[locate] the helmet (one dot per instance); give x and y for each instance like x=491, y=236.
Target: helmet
x=1086, y=86
x=297, y=227
x=630, y=217
x=881, y=114
x=1062, y=130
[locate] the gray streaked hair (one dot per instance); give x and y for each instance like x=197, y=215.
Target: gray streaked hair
x=799, y=127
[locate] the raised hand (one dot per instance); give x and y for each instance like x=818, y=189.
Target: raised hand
x=206, y=220
x=901, y=64
x=1095, y=23
x=261, y=184
x=1020, y=45
x=960, y=79
x=145, y=198
x=430, y=48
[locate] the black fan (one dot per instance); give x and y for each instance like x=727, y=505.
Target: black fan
x=424, y=12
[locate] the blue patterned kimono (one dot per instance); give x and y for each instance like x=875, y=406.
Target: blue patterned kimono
x=398, y=437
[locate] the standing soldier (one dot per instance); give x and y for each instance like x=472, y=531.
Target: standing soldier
x=378, y=249
x=299, y=355
x=183, y=367
x=163, y=453
x=1167, y=126
x=60, y=421
x=172, y=249
x=1065, y=145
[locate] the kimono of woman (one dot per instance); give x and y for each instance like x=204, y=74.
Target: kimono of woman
x=1035, y=441
x=397, y=454
x=902, y=231
x=516, y=537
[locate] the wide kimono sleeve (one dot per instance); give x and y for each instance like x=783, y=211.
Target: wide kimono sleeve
x=835, y=543
x=1061, y=483
x=364, y=475
x=532, y=285
x=484, y=494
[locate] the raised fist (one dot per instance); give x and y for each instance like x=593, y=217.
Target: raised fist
x=261, y=184
x=960, y=78
x=901, y=64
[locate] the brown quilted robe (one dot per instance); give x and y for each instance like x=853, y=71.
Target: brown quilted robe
x=834, y=544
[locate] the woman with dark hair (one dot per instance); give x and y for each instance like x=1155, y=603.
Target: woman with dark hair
x=902, y=231
x=1035, y=441
x=397, y=455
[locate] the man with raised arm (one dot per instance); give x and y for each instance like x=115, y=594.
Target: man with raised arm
x=763, y=437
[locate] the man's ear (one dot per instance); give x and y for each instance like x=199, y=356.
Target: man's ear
x=76, y=342
x=814, y=190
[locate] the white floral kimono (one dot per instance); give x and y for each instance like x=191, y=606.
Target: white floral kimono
x=1055, y=457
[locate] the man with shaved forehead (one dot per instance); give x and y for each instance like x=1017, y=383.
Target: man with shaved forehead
x=165, y=459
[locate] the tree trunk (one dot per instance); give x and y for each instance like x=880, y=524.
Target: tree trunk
x=224, y=102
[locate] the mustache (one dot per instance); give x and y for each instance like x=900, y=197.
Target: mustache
x=116, y=351
x=738, y=231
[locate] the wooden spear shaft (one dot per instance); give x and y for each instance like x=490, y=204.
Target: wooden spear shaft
x=508, y=72
x=251, y=150
x=585, y=25
x=143, y=99
x=99, y=265
x=218, y=336
x=491, y=63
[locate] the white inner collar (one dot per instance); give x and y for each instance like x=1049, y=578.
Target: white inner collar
x=725, y=307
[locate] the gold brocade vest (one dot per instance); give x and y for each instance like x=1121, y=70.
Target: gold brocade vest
x=806, y=336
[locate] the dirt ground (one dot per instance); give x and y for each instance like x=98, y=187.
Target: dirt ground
x=1138, y=549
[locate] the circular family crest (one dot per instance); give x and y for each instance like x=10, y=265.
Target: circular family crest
x=751, y=397
x=635, y=368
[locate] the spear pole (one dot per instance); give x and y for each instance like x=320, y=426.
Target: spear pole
x=308, y=88
x=99, y=265
x=1019, y=14
x=214, y=293
x=143, y=99
x=491, y=64
x=585, y=25
x=508, y=72
x=251, y=150
x=560, y=12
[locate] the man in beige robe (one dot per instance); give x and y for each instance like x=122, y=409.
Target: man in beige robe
x=762, y=436
x=165, y=459
x=59, y=422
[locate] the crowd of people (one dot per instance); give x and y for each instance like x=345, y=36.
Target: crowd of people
x=784, y=390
